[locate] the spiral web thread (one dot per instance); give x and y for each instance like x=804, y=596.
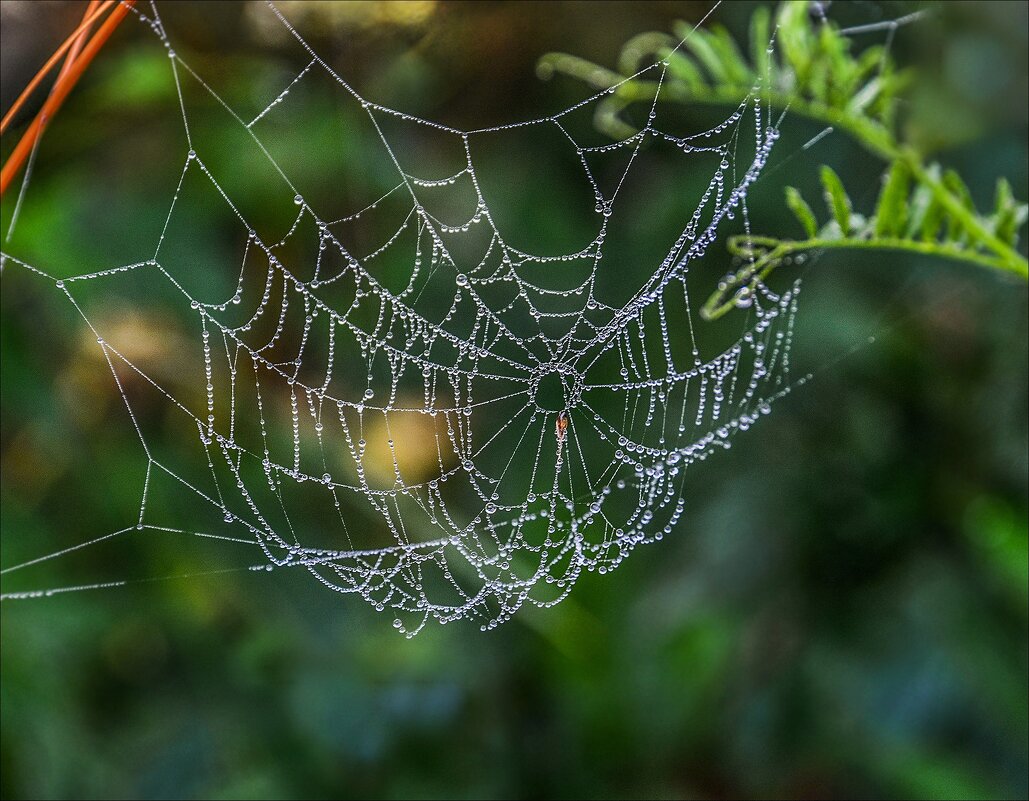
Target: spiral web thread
x=549, y=424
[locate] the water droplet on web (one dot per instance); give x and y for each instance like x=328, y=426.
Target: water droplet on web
x=744, y=298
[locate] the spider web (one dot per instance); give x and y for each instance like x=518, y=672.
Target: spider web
x=406, y=399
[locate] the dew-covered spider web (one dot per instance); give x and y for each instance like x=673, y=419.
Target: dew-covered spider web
x=398, y=391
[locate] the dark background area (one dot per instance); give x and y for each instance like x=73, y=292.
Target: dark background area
x=841, y=613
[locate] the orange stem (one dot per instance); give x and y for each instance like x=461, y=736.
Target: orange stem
x=45, y=69
x=59, y=93
x=76, y=48
x=69, y=59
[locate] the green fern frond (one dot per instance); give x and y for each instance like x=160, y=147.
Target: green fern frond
x=808, y=66
x=905, y=219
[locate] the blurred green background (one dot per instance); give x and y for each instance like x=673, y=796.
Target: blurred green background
x=841, y=613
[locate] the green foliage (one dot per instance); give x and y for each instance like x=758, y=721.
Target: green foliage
x=1009, y=215
x=909, y=220
x=891, y=212
x=801, y=210
x=807, y=66
x=809, y=69
x=836, y=199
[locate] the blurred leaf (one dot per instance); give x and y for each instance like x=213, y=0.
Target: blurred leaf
x=891, y=211
x=836, y=198
x=760, y=43
x=956, y=229
x=683, y=68
x=1009, y=215
x=801, y=210
x=1000, y=537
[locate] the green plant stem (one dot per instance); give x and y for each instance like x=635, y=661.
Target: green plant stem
x=875, y=137
x=724, y=299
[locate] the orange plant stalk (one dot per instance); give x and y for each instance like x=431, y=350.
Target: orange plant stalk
x=69, y=60
x=66, y=81
x=73, y=41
